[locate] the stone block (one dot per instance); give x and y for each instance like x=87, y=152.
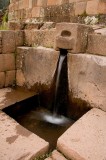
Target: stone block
x=35, y=25
x=86, y=139
x=101, y=30
x=57, y=155
x=96, y=7
x=75, y=34
x=48, y=25
x=44, y=38
x=80, y=8
x=2, y=79
x=0, y=50
x=10, y=96
x=28, y=13
x=10, y=78
x=54, y=2
x=8, y=42
x=39, y=67
x=22, y=13
x=7, y=62
x=36, y=12
x=41, y=3
x=71, y=1
x=16, y=5
x=48, y=158
x=13, y=25
x=26, y=3
x=21, y=4
x=20, y=79
x=11, y=7
x=92, y=7
x=17, y=142
x=19, y=38
x=97, y=44
x=0, y=41
x=87, y=80
x=59, y=13
x=32, y=3
x=21, y=51
x=28, y=37
x=102, y=7
x=65, y=42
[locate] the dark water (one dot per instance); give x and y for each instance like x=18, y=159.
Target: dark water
x=28, y=113
x=48, y=131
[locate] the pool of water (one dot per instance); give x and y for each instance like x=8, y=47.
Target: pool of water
x=31, y=116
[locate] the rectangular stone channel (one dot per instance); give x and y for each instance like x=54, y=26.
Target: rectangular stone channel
x=28, y=113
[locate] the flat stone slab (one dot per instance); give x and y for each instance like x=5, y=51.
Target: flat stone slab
x=17, y=143
x=85, y=139
x=55, y=155
x=9, y=96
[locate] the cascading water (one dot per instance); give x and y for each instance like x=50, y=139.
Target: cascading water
x=60, y=98
x=57, y=112
x=59, y=69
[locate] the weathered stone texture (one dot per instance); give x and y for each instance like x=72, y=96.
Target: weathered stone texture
x=80, y=8
x=44, y=38
x=21, y=51
x=10, y=78
x=7, y=62
x=8, y=42
x=13, y=25
x=11, y=96
x=56, y=155
x=59, y=13
x=17, y=142
x=86, y=139
x=97, y=44
x=20, y=79
x=38, y=67
x=54, y=10
x=87, y=80
x=19, y=38
x=78, y=35
x=35, y=25
x=96, y=7
x=2, y=79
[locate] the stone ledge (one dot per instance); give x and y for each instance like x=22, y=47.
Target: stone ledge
x=9, y=96
x=86, y=139
x=17, y=142
x=87, y=80
x=97, y=43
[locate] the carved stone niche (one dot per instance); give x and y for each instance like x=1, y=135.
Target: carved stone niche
x=72, y=36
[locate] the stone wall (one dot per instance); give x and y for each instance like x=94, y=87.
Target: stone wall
x=9, y=40
x=56, y=10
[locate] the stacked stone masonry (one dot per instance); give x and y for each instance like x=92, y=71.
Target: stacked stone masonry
x=54, y=10
x=8, y=42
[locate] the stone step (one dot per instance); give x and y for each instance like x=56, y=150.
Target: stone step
x=55, y=155
x=10, y=96
x=86, y=139
x=49, y=158
x=16, y=142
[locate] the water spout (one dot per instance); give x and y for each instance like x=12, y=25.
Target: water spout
x=63, y=54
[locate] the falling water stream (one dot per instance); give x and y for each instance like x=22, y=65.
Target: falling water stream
x=59, y=68
x=56, y=117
